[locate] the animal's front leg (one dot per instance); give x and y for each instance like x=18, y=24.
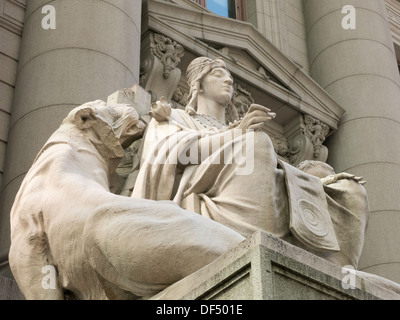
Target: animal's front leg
x=37, y=278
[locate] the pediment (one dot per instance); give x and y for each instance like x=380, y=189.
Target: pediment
x=241, y=57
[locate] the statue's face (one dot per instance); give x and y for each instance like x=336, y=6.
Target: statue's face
x=218, y=86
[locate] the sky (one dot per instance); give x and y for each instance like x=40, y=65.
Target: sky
x=219, y=7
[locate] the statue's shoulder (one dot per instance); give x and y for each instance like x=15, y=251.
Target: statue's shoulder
x=180, y=115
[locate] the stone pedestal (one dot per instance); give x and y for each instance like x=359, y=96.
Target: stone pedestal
x=266, y=268
x=9, y=289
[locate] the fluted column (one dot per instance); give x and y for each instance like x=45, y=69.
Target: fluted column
x=93, y=52
x=358, y=68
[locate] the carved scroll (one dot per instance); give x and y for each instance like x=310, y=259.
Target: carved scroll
x=159, y=72
x=316, y=131
x=168, y=51
x=307, y=143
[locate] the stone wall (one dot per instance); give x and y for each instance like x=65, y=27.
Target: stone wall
x=282, y=23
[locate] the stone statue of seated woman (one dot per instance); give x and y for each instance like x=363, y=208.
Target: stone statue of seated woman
x=232, y=175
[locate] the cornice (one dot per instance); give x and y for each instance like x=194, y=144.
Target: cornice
x=11, y=15
x=393, y=14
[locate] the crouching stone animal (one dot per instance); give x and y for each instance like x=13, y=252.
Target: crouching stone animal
x=101, y=245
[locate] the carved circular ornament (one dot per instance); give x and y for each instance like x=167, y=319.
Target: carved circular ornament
x=312, y=219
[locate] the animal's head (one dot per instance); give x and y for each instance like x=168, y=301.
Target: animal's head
x=102, y=119
x=110, y=127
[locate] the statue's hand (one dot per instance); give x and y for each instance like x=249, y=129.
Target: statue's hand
x=256, y=117
x=341, y=176
x=161, y=110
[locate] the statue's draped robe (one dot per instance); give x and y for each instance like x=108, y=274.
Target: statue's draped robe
x=243, y=185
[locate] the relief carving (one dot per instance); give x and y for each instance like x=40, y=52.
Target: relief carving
x=316, y=131
x=181, y=96
x=159, y=72
x=168, y=51
x=307, y=143
x=281, y=147
x=242, y=100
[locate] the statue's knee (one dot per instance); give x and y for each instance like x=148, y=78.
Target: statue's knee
x=262, y=146
x=262, y=139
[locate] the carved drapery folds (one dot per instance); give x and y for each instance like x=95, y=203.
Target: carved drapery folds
x=160, y=59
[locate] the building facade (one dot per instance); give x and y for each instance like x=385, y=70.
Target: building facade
x=328, y=68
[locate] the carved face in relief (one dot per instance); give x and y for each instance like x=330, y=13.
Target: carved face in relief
x=217, y=85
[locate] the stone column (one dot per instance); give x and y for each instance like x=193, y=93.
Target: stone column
x=358, y=68
x=93, y=51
